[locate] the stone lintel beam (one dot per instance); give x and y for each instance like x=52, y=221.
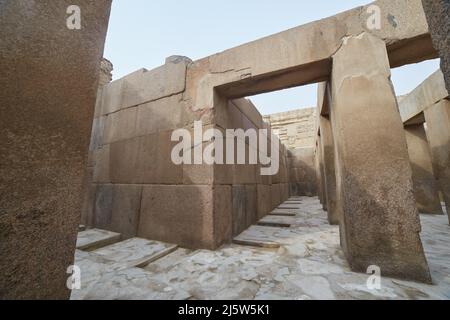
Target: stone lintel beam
x=302, y=55
x=426, y=94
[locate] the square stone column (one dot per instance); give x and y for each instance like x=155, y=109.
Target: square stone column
x=50, y=66
x=437, y=118
x=320, y=174
x=380, y=223
x=426, y=190
x=327, y=144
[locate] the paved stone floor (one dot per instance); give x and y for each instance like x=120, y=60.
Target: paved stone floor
x=302, y=261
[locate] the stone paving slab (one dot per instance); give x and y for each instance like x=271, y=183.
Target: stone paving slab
x=260, y=236
x=289, y=206
x=283, y=213
x=133, y=284
x=95, y=238
x=135, y=252
x=276, y=221
x=286, y=211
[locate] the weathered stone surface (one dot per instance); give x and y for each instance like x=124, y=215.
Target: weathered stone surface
x=437, y=13
x=49, y=81
x=438, y=132
x=426, y=189
x=380, y=224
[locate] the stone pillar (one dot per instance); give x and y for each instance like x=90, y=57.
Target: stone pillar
x=437, y=118
x=318, y=175
x=49, y=76
x=327, y=143
x=380, y=222
x=438, y=16
x=426, y=190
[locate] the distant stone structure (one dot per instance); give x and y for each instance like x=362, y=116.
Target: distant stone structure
x=294, y=128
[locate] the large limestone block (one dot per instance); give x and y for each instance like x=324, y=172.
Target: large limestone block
x=140, y=160
x=380, y=224
x=190, y=216
x=426, y=189
x=123, y=161
x=154, y=162
x=117, y=209
x=120, y=126
x=143, y=86
x=164, y=114
x=438, y=132
x=49, y=76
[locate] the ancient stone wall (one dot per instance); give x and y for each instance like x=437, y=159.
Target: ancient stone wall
x=137, y=190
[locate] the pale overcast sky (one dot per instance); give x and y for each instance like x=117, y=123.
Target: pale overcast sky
x=142, y=33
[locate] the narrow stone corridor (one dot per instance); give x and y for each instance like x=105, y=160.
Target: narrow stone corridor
x=301, y=260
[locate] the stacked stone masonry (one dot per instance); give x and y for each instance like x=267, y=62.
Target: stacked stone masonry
x=137, y=190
